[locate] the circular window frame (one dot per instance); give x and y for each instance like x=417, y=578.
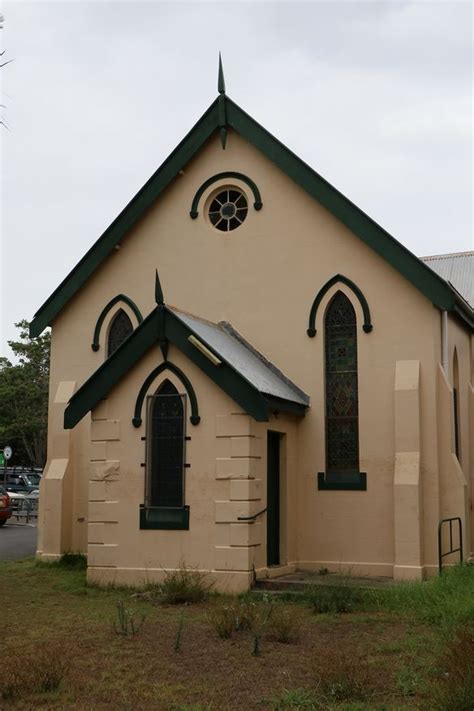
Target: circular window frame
x=241, y=218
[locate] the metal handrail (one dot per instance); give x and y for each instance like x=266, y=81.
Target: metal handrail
x=451, y=549
x=251, y=518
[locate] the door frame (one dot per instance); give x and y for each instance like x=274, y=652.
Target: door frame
x=273, y=485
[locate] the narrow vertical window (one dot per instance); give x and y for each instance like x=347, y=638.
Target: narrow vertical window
x=120, y=328
x=342, y=410
x=165, y=440
x=457, y=446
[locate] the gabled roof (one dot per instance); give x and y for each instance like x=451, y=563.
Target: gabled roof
x=232, y=363
x=225, y=341
x=458, y=269
x=222, y=113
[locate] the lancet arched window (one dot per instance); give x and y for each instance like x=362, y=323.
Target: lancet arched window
x=457, y=434
x=120, y=328
x=342, y=409
x=165, y=440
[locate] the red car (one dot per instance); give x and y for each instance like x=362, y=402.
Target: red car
x=5, y=506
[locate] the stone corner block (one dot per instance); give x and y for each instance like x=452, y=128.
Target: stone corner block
x=245, y=447
x=109, y=469
x=246, y=534
x=228, y=468
x=230, y=558
x=229, y=511
x=105, y=430
x=246, y=489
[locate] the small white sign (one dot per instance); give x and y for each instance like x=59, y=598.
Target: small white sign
x=7, y=453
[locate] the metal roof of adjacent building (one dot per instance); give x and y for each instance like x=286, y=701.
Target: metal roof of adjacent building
x=457, y=269
x=229, y=345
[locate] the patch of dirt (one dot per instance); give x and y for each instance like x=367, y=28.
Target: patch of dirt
x=109, y=671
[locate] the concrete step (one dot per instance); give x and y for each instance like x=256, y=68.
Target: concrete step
x=301, y=581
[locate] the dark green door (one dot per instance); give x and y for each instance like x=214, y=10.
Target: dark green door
x=273, y=498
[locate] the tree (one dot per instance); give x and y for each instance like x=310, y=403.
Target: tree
x=24, y=398
x=3, y=63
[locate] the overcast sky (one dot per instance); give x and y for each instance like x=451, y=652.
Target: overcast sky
x=375, y=96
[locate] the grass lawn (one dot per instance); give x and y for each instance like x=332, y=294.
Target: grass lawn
x=407, y=647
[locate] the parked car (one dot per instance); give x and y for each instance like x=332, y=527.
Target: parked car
x=5, y=506
x=20, y=480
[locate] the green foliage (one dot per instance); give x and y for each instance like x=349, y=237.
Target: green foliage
x=229, y=616
x=455, y=678
x=339, y=598
x=264, y=612
x=407, y=681
x=284, y=624
x=77, y=561
x=222, y=618
x=179, y=633
x=446, y=601
x=126, y=624
x=245, y=613
x=34, y=671
x=296, y=700
x=24, y=398
x=183, y=586
x=343, y=677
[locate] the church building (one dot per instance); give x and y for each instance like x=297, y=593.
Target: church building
x=249, y=376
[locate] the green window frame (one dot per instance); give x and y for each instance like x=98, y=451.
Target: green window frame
x=341, y=397
x=164, y=506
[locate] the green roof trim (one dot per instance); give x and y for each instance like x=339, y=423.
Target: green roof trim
x=433, y=287
x=159, y=324
x=224, y=112
x=166, y=365
x=120, y=297
x=228, y=379
x=258, y=204
x=339, y=278
x=112, y=370
x=129, y=216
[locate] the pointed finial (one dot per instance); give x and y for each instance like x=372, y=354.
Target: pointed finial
x=220, y=81
x=159, y=298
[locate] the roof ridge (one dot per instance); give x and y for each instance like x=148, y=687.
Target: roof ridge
x=222, y=113
x=449, y=255
x=193, y=315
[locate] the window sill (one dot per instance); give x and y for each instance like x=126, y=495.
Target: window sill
x=166, y=519
x=347, y=481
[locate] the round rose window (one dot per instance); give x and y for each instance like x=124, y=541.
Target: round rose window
x=228, y=209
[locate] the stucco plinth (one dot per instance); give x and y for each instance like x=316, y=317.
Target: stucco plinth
x=224, y=582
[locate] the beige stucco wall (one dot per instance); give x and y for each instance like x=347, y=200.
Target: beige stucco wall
x=226, y=454
x=263, y=278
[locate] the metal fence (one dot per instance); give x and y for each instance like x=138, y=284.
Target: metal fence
x=24, y=506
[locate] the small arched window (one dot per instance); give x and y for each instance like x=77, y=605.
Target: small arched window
x=342, y=408
x=165, y=447
x=120, y=328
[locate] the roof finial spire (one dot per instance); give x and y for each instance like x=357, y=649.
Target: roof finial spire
x=220, y=80
x=159, y=298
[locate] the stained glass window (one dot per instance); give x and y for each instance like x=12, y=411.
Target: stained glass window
x=342, y=416
x=165, y=485
x=120, y=328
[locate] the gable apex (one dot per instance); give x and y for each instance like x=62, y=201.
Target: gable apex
x=222, y=113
